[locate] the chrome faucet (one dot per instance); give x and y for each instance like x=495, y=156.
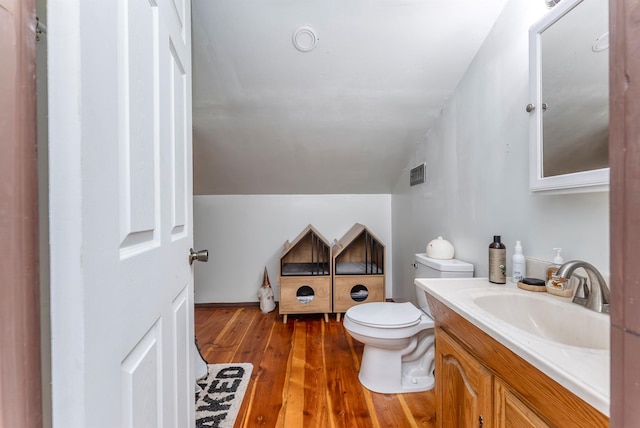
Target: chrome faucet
x=595, y=295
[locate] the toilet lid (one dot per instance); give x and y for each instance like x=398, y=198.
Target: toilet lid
x=385, y=315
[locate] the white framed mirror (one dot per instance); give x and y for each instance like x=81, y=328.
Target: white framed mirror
x=569, y=93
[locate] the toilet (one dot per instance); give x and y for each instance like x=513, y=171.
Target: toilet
x=398, y=338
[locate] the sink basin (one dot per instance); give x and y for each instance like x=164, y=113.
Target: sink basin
x=566, y=342
x=550, y=319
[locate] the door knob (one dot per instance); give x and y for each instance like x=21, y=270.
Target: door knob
x=201, y=256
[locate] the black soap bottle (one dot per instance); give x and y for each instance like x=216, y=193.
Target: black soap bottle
x=497, y=261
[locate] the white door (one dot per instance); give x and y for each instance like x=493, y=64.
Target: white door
x=121, y=213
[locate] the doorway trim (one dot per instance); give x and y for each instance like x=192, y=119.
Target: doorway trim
x=20, y=372
x=624, y=206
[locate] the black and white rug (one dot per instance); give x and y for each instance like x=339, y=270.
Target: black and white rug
x=218, y=403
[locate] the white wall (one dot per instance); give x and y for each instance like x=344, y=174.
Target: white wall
x=245, y=233
x=477, y=171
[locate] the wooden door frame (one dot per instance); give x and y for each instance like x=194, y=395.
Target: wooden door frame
x=20, y=388
x=20, y=379
x=624, y=205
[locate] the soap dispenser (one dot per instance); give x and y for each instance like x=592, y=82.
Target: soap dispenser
x=555, y=285
x=557, y=262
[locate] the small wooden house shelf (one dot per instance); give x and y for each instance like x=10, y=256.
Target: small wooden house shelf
x=358, y=269
x=305, y=275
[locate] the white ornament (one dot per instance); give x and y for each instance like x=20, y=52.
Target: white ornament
x=265, y=294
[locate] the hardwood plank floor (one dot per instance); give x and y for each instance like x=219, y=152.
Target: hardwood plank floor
x=305, y=372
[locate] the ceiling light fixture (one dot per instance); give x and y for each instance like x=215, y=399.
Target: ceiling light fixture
x=305, y=39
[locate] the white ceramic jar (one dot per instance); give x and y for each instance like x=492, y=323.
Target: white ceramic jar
x=440, y=249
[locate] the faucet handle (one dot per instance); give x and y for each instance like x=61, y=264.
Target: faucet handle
x=582, y=290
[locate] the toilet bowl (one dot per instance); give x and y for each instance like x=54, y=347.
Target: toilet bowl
x=398, y=338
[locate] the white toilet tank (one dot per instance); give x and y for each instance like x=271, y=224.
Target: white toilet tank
x=427, y=267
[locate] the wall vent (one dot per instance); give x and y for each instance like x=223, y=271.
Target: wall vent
x=417, y=174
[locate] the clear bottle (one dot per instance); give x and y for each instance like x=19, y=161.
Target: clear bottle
x=497, y=261
x=518, y=264
x=553, y=267
x=555, y=285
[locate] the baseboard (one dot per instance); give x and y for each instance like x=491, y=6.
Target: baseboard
x=237, y=305
x=227, y=305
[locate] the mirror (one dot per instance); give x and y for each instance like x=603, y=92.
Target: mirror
x=569, y=86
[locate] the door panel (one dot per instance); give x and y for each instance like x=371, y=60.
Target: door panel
x=179, y=138
x=138, y=124
x=463, y=386
x=511, y=412
x=122, y=315
x=182, y=337
x=141, y=376
x=180, y=6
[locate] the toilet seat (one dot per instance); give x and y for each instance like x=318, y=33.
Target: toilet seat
x=398, y=346
x=385, y=315
x=399, y=338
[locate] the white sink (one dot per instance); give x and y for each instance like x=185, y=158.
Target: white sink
x=565, y=341
x=549, y=318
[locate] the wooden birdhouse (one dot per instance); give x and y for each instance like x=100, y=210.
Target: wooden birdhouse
x=358, y=269
x=305, y=275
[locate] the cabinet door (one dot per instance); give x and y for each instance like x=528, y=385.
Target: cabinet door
x=513, y=413
x=464, y=387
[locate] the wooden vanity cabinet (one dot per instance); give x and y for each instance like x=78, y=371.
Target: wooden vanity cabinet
x=463, y=386
x=511, y=412
x=481, y=383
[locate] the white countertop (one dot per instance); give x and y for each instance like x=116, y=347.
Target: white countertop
x=583, y=371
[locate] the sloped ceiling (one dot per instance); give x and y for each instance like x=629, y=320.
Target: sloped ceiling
x=341, y=118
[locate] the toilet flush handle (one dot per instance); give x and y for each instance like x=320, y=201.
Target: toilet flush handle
x=415, y=265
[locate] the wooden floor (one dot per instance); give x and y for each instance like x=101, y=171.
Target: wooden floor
x=305, y=372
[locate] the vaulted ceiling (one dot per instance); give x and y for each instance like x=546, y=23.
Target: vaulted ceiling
x=342, y=117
